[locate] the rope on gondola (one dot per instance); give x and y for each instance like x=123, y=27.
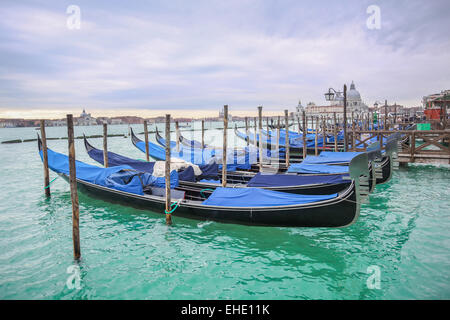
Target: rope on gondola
x=51, y=182
x=176, y=204
x=353, y=201
x=207, y=189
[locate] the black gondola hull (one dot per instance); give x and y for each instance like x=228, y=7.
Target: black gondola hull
x=339, y=212
x=386, y=170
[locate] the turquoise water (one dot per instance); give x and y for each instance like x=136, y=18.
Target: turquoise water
x=403, y=231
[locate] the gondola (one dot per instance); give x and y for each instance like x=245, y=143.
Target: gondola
x=248, y=206
x=282, y=126
x=250, y=152
x=295, y=145
x=243, y=159
x=191, y=143
x=195, y=145
x=385, y=165
x=278, y=165
x=298, y=184
x=367, y=181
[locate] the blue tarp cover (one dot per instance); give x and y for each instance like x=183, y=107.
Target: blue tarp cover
x=155, y=151
x=316, y=168
x=122, y=177
x=330, y=157
x=200, y=156
x=210, y=181
x=255, y=197
x=114, y=159
x=294, y=142
x=278, y=180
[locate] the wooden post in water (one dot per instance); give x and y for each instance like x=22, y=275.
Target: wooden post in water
x=203, y=133
x=395, y=113
x=385, y=115
x=335, y=132
x=224, y=151
x=278, y=137
x=105, y=144
x=324, y=133
x=255, y=140
x=246, y=131
x=73, y=190
x=305, y=131
x=288, y=153
x=45, y=160
x=147, y=154
x=371, y=121
x=260, y=137
x=167, y=172
x=413, y=146
x=177, y=134
x=353, y=136
x=316, y=138
x=345, y=119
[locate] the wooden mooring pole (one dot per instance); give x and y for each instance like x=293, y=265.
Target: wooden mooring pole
x=255, y=140
x=316, y=138
x=246, y=131
x=203, y=133
x=177, y=134
x=278, y=137
x=45, y=160
x=73, y=190
x=286, y=118
x=305, y=131
x=224, y=152
x=147, y=155
x=345, y=119
x=105, y=144
x=260, y=144
x=335, y=132
x=385, y=116
x=167, y=172
x=324, y=133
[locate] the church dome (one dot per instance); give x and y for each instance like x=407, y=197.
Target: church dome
x=353, y=94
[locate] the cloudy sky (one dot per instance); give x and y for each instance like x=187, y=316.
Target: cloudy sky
x=192, y=57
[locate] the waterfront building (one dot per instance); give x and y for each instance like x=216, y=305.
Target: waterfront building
x=86, y=119
x=436, y=104
x=354, y=104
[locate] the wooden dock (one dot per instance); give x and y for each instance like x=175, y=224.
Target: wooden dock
x=415, y=146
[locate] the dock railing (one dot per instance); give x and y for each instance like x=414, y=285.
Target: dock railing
x=421, y=146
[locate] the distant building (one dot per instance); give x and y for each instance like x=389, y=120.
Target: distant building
x=116, y=121
x=299, y=109
x=86, y=119
x=6, y=124
x=436, y=105
x=390, y=109
x=57, y=123
x=354, y=104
